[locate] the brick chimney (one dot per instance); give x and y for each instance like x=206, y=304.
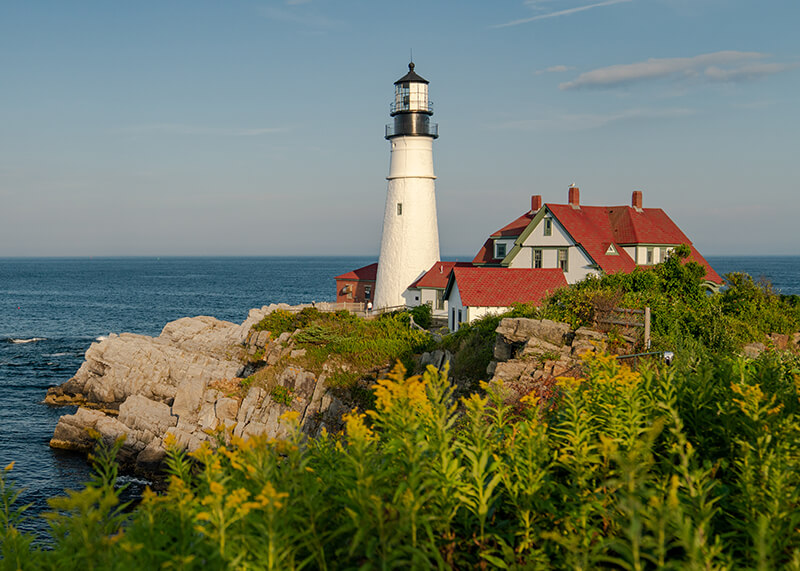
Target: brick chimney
x=574, y=197
x=536, y=202
x=636, y=200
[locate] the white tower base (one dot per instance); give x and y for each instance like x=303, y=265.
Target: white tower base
x=410, y=241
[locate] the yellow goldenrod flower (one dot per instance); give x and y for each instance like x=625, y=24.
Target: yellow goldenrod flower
x=290, y=417
x=355, y=427
x=170, y=441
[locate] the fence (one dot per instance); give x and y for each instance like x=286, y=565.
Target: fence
x=626, y=318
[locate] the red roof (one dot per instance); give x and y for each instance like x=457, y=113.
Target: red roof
x=486, y=254
x=367, y=273
x=516, y=227
x=594, y=228
x=503, y=287
x=437, y=276
x=590, y=227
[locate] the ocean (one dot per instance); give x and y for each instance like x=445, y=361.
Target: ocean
x=51, y=310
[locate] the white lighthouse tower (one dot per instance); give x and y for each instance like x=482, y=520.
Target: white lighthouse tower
x=410, y=241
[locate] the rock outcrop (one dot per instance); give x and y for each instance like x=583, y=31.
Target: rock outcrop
x=187, y=383
x=529, y=352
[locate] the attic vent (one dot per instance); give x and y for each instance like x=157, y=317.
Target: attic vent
x=612, y=251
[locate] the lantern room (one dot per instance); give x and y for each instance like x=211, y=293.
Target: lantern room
x=411, y=94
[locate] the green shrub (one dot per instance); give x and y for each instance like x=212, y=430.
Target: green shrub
x=423, y=315
x=282, y=395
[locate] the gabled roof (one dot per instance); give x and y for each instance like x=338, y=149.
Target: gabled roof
x=646, y=226
x=486, y=254
x=516, y=227
x=595, y=228
x=367, y=273
x=503, y=287
x=590, y=227
x=437, y=276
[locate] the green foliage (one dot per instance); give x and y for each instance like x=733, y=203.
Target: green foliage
x=350, y=346
x=685, y=316
x=472, y=347
x=282, y=395
x=423, y=315
x=694, y=467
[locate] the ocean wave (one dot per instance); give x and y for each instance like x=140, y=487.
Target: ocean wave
x=101, y=338
x=56, y=354
x=133, y=480
x=31, y=340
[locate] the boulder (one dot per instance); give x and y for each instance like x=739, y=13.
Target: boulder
x=189, y=349
x=753, y=350
x=523, y=329
x=437, y=359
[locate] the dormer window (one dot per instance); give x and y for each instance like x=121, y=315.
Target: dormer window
x=500, y=250
x=548, y=227
x=612, y=251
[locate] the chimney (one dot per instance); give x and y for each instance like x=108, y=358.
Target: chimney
x=536, y=202
x=574, y=197
x=636, y=200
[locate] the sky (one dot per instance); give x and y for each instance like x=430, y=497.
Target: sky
x=160, y=128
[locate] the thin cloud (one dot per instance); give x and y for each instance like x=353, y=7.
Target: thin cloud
x=747, y=72
x=730, y=66
x=558, y=13
x=554, y=69
x=587, y=121
x=181, y=129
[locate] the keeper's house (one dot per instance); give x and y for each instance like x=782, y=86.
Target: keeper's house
x=587, y=240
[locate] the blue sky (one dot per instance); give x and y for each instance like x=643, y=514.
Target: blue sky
x=256, y=128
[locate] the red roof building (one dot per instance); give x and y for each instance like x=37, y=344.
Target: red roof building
x=584, y=240
x=356, y=286
x=473, y=292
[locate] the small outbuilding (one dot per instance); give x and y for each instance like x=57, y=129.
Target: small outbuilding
x=473, y=292
x=357, y=286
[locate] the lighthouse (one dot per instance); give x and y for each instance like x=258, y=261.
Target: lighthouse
x=410, y=240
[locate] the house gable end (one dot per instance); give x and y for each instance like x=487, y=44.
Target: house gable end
x=525, y=233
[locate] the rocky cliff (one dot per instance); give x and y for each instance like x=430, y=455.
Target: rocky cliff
x=190, y=381
x=187, y=382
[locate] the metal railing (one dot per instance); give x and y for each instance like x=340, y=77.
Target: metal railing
x=431, y=129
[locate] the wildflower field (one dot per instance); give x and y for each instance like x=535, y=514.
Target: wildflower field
x=696, y=467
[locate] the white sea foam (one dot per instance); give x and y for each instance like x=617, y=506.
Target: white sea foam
x=56, y=354
x=133, y=480
x=101, y=338
x=31, y=340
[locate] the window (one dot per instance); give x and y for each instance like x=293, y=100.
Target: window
x=548, y=226
x=439, y=299
x=662, y=254
x=500, y=250
x=459, y=316
x=611, y=251
x=537, y=258
x=649, y=256
x=399, y=208
x=367, y=291
x=563, y=261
